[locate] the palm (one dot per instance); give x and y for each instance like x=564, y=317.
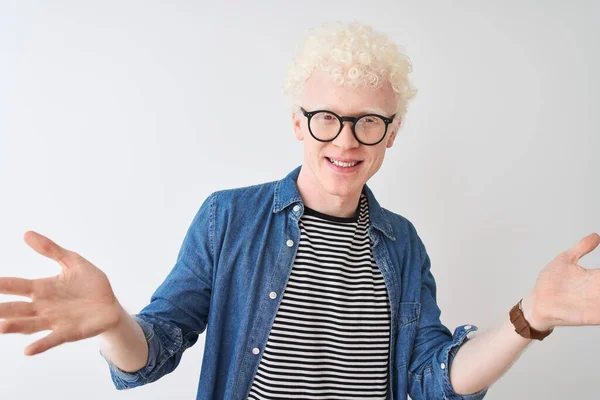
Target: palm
x=569, y=293
x=78, y=294
x=76, y=304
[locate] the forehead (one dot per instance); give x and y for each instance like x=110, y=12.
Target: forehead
x=321, y=92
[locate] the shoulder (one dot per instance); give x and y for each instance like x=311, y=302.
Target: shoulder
x=246, y=203
x=245, y=197
x=400, y=224
x=250, y=195
x=405, y=231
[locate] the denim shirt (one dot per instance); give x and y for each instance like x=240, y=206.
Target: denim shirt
x=229, y=278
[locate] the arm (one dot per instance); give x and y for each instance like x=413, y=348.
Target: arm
x=487, y=356
x=565, y=294
x=176, y=315
x=125, y=345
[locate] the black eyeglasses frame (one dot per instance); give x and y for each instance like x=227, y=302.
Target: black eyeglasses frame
x=342, y=119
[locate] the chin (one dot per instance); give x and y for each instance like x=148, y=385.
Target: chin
x=341, y=190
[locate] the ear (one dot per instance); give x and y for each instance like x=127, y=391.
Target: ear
x=297, y=125
x=394, y=131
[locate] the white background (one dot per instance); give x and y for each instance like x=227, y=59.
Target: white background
x=118, y=118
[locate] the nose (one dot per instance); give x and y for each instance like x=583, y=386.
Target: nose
x=346, y=139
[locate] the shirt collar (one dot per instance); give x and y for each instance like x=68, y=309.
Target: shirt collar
x=286, y=194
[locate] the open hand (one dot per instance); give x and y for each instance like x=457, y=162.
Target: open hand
x=78, y=303
x=565, y=293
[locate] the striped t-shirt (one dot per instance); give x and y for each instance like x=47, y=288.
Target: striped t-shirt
x=330, y=337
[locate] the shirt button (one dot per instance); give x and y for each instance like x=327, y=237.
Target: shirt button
x=296, y=208
x=442, y=365
x=255, y=351
x=467, y=327
x=289, y=243
x=273, y=295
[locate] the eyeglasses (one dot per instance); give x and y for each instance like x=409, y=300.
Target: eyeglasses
x=368, y=129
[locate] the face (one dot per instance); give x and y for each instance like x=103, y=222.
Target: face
x=321, y=93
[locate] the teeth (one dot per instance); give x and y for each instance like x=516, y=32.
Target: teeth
x=343, y=164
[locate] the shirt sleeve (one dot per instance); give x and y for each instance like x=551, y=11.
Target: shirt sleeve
x=178, y=309
x=435, y=347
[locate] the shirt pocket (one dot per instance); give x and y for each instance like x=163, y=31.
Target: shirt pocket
x=408, y=317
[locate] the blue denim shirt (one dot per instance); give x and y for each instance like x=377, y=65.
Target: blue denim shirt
x=239, y=248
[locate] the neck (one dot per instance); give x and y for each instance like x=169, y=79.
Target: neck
x=316, y=197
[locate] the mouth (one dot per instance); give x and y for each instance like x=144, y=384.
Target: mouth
x=341, y=163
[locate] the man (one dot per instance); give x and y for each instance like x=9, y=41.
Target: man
x=307, y=287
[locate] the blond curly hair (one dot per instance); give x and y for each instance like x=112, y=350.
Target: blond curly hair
x=354, y=54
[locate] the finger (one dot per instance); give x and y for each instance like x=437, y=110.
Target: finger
x=583, y=247
x=16, y=309
x=52, y=340
x=45, y=246
x=16, y=286
x=24, y=325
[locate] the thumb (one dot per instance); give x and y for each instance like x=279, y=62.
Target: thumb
x=46, y=247
x=583, y=247
x=52, y=340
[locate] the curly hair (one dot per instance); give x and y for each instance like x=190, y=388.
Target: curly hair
x=354, y=54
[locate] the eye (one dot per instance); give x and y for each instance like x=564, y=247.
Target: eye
x=325, y=117
x=370, y=122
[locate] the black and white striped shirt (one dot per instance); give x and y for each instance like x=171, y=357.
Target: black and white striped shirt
x=330, y=337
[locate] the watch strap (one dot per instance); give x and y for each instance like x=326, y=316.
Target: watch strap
x=522, y=327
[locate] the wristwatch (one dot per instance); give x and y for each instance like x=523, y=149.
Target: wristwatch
x=522, y=326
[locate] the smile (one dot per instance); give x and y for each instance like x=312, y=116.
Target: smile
x=343, y=164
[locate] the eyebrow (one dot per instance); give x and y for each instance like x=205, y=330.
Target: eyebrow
x=362, y=111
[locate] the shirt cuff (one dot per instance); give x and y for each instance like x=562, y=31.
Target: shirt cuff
x=442, y=369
